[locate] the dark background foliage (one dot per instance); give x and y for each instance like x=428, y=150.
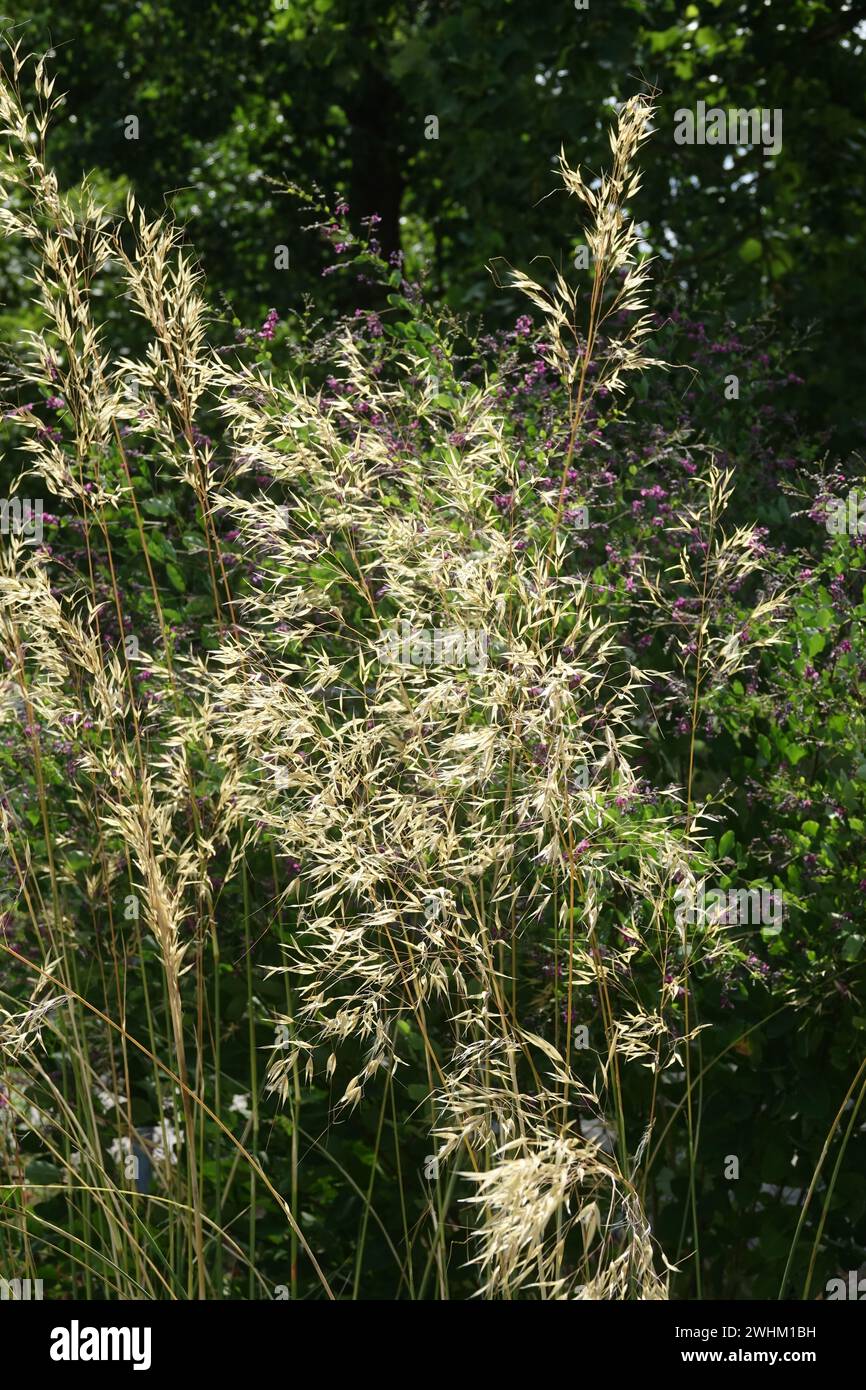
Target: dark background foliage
x=336, y=93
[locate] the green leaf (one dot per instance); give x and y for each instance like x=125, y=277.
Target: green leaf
x=198, y=606
x=665, y=38
x=176, y=577
x=773, y=929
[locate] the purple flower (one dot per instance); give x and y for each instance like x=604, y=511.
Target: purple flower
x=267, y=329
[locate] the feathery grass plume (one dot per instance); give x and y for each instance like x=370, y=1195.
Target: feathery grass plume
x=619, y=277
x=554, y=1218
x=435, y=805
